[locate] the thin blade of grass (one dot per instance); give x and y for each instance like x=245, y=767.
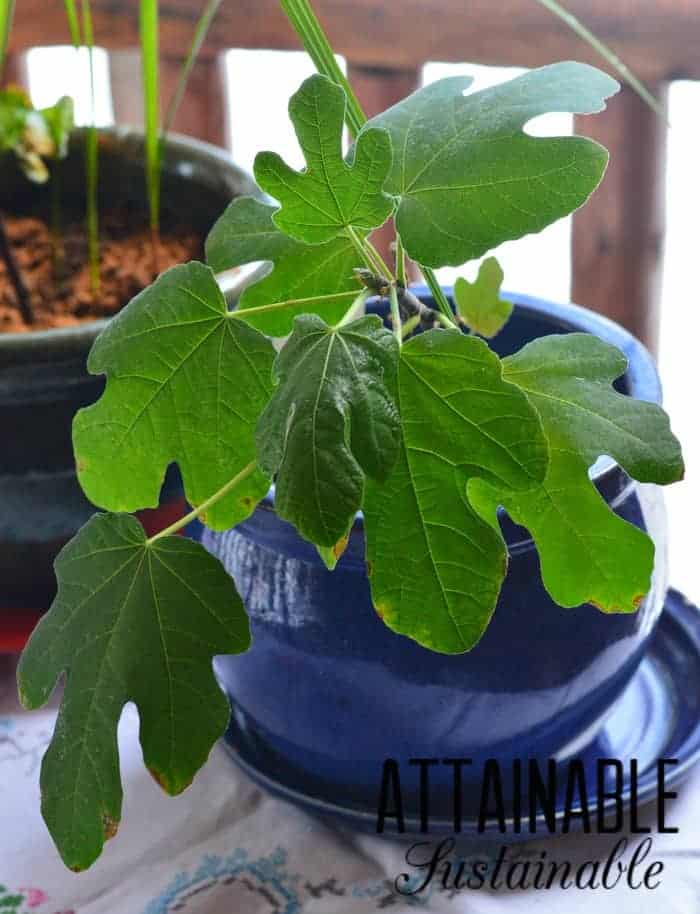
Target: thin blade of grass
x=73, y=23
x=308, y=28
x=91, y=159
x=148, y=19
x=200, y=33
x=605, y=52
x=305, y=22
x=7, y=10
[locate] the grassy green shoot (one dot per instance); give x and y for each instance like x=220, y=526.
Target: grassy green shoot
x=621, y=68
x=84, y=36
x=7, y=8
x=148, y=21
x=205, y=20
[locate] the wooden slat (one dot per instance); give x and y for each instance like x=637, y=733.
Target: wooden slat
x=377, y=88
x=125, y=80
x=657, y=38
x=16, y=70
x=204, y=110
x=618, y=236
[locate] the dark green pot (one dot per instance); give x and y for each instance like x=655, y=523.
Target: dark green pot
x=43, y=378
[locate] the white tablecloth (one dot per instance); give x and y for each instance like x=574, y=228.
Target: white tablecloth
x=225, y=847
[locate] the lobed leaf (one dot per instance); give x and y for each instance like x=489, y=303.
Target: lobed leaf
x=329, y=195
x=34, y=135
x=186, y=383
x=568, y=378
x=331, y=422
x=479, y=303
x=245, y=233
x=587, y=553
x=466, y=175
x=138, y=621
x=435, y=565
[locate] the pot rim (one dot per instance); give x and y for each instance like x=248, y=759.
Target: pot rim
x=77, y=340
x=641, y=375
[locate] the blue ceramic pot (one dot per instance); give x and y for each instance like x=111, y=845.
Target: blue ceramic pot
x=326, y=692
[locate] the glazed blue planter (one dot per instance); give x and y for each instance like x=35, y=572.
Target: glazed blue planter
x=327, y=692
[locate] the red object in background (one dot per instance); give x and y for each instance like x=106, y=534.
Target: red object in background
x=16, y=625
x=155, y=519
x=15, y=629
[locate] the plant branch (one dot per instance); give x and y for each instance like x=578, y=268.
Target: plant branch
x=206, y=504
x=15, y=276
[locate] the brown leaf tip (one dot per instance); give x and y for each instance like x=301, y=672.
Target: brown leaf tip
x=109, y=826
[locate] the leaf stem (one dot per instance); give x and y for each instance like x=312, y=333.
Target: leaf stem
x=385, y=269
x=410, y=326
x=361, y=249
x=370, y=255
x=400, y=262
x=288, y=303
x=206, y=504
x=357, y=306
x=395, y=314
x=443, y=305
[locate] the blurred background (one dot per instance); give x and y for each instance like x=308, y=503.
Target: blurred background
x=623, y=263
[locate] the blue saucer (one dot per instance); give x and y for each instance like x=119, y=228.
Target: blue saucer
x=657, y=716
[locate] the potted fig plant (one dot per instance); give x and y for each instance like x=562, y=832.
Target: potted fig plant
x=463, y=491
x=80, y=218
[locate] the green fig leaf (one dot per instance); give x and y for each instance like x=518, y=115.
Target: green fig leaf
x=330, y=423
x=479, y=303
x=435, y=565
x=137, y=621
x=34, y=135
x=587, y=553
x=330, y=195
x=568, y=379
x=60, y=119
x=186, y=383
x=15, y=105
x=245, y=233
x=468, y=177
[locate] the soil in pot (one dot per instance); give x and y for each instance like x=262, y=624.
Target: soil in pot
x=57, y=275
